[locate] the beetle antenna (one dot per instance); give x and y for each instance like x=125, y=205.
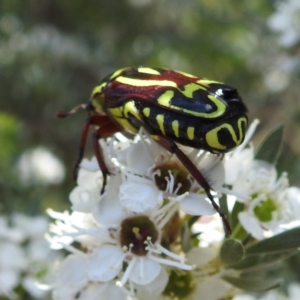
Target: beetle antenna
x=65, y=114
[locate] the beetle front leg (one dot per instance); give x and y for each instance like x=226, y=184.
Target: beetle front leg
x=103, y=132
x=91, y=120
x=170, y=146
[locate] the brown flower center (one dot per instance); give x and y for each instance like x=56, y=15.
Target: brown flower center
x=180, y=176
x=135, y=232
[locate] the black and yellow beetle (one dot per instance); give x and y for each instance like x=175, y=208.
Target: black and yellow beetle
x=174, y=107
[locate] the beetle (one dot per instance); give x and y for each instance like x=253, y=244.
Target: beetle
x=173, y=107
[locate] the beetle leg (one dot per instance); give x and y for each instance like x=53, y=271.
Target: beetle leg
x=103, y=132
x=91, y=120
x=173, y=148
x=64, y=114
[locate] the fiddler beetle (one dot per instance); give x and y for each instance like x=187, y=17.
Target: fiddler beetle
x=173, y=107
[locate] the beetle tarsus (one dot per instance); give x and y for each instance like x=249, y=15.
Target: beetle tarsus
x=65, y=114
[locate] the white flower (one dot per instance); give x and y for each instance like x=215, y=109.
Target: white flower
x=205, y=281
x=12, y=262
x=103, y=290
x=270, y=203
x=89, y=184
x=207, y=275
x=211, y=228
x=133, y=237
x=25, y=257
x=70, y=278
x=153, y=290
x=151, y=174
x=40, y=166
x=11, y=233
x=237, y=161
x=31, y=227
x=69, y=223
x=114, y=237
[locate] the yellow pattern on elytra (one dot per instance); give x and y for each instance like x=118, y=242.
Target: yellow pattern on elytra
x=116, y=112
x=117, y=73
x=126, y=125
x=148, y=71
x=146, y=112
x=98, y=105
x=118, y=115
x=221, y=107
x=190, y=88
x=165, y=100
x=207, y=82
x=212, y=136
x=143, y=83
x=191, y=133
x=121, y=114
x=129, y=107
x=241, y=131
x=175, y=127
x=160, y=122
x=98, y=89
x=98, y=102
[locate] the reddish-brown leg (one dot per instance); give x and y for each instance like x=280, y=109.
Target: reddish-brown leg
x=173, y=148
x=103, y=132
x=91, y=120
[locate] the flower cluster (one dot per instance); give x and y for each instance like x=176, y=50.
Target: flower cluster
x=270, y=203
x=25, y=257
x=153, y=233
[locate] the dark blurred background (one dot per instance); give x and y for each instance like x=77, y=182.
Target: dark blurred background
x=52, y=53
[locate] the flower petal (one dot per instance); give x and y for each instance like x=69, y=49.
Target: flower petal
x=108, y=210
x=201, y=256
x=251, y=224
x=104, y=263
x=71, y=277
x=9, y=279
x=139, y=197
x=212, y=288
x=235, y=163
x=144, y=271
x=196, y=205
x=138, y=158
x=216, y=174
x=293, y=196
x=107, y=290
x=155, y=288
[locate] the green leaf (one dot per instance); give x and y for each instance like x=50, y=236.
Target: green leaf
x=254, y=262
x=287, y=240
x=185, y=233
x=269, y=149
x=254, y=285
x=238, y=207
x=224, y=205
x=232, y=251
